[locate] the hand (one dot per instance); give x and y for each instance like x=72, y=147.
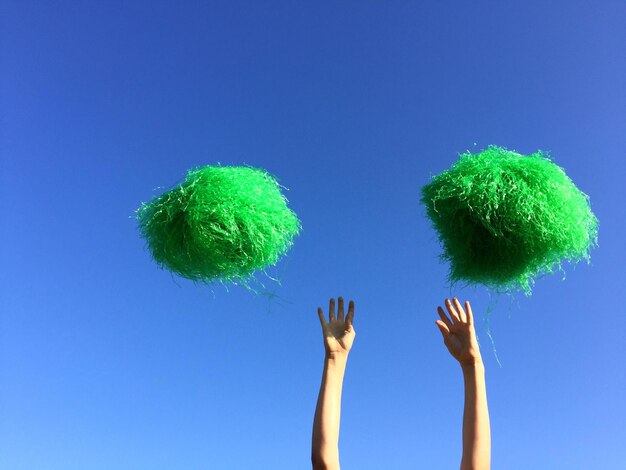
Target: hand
x=458, y=332
x=338, y=331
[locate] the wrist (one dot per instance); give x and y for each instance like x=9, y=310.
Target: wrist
x=336, y=356
x=476, y=365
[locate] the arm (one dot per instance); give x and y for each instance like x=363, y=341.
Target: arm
x=338, y=337
x=459, y=337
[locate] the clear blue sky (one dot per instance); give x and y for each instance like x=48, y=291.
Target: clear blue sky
x=107, y=362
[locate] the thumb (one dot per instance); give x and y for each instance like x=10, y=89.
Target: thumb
x=445, y=331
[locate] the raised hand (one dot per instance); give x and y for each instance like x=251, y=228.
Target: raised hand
x=459, y=337
x=458, y=332
x=338, y=331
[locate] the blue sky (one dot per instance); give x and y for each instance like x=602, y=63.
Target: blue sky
x=107, y=362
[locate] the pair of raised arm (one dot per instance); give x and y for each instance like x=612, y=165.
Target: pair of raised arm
x=459, y=336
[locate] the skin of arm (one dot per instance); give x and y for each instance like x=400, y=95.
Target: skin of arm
x=459, y=336
x=338, y=338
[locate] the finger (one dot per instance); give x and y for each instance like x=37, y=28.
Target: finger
x=459, y=309
x=453, y=314
x=331, y=310
x=340, y=309
x=470, y=315
x=444, y=317
x=350, y=316
x=445, y=331
x=320, y=314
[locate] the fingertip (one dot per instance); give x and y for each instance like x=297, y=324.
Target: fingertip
x=320, y=314
x=350, y=315
x=470, y=314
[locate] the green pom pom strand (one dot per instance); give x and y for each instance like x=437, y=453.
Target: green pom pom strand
x=221, y=224
x=504, y=218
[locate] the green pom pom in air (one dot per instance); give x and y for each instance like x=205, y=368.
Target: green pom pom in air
x=221, y=224
x=504, y=218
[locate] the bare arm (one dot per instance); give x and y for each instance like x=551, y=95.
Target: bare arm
x=338, y=338
x=459, y=337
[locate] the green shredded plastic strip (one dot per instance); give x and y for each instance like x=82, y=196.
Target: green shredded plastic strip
x=504, y=218
x=221, y=224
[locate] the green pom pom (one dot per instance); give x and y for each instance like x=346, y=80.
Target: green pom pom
x=504, y=218
x=220, y=224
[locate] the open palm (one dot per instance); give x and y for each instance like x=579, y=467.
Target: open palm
x=458, y=332
x=338, y=330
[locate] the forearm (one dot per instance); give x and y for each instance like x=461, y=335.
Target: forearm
x=476, y=429
x=325, y=443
